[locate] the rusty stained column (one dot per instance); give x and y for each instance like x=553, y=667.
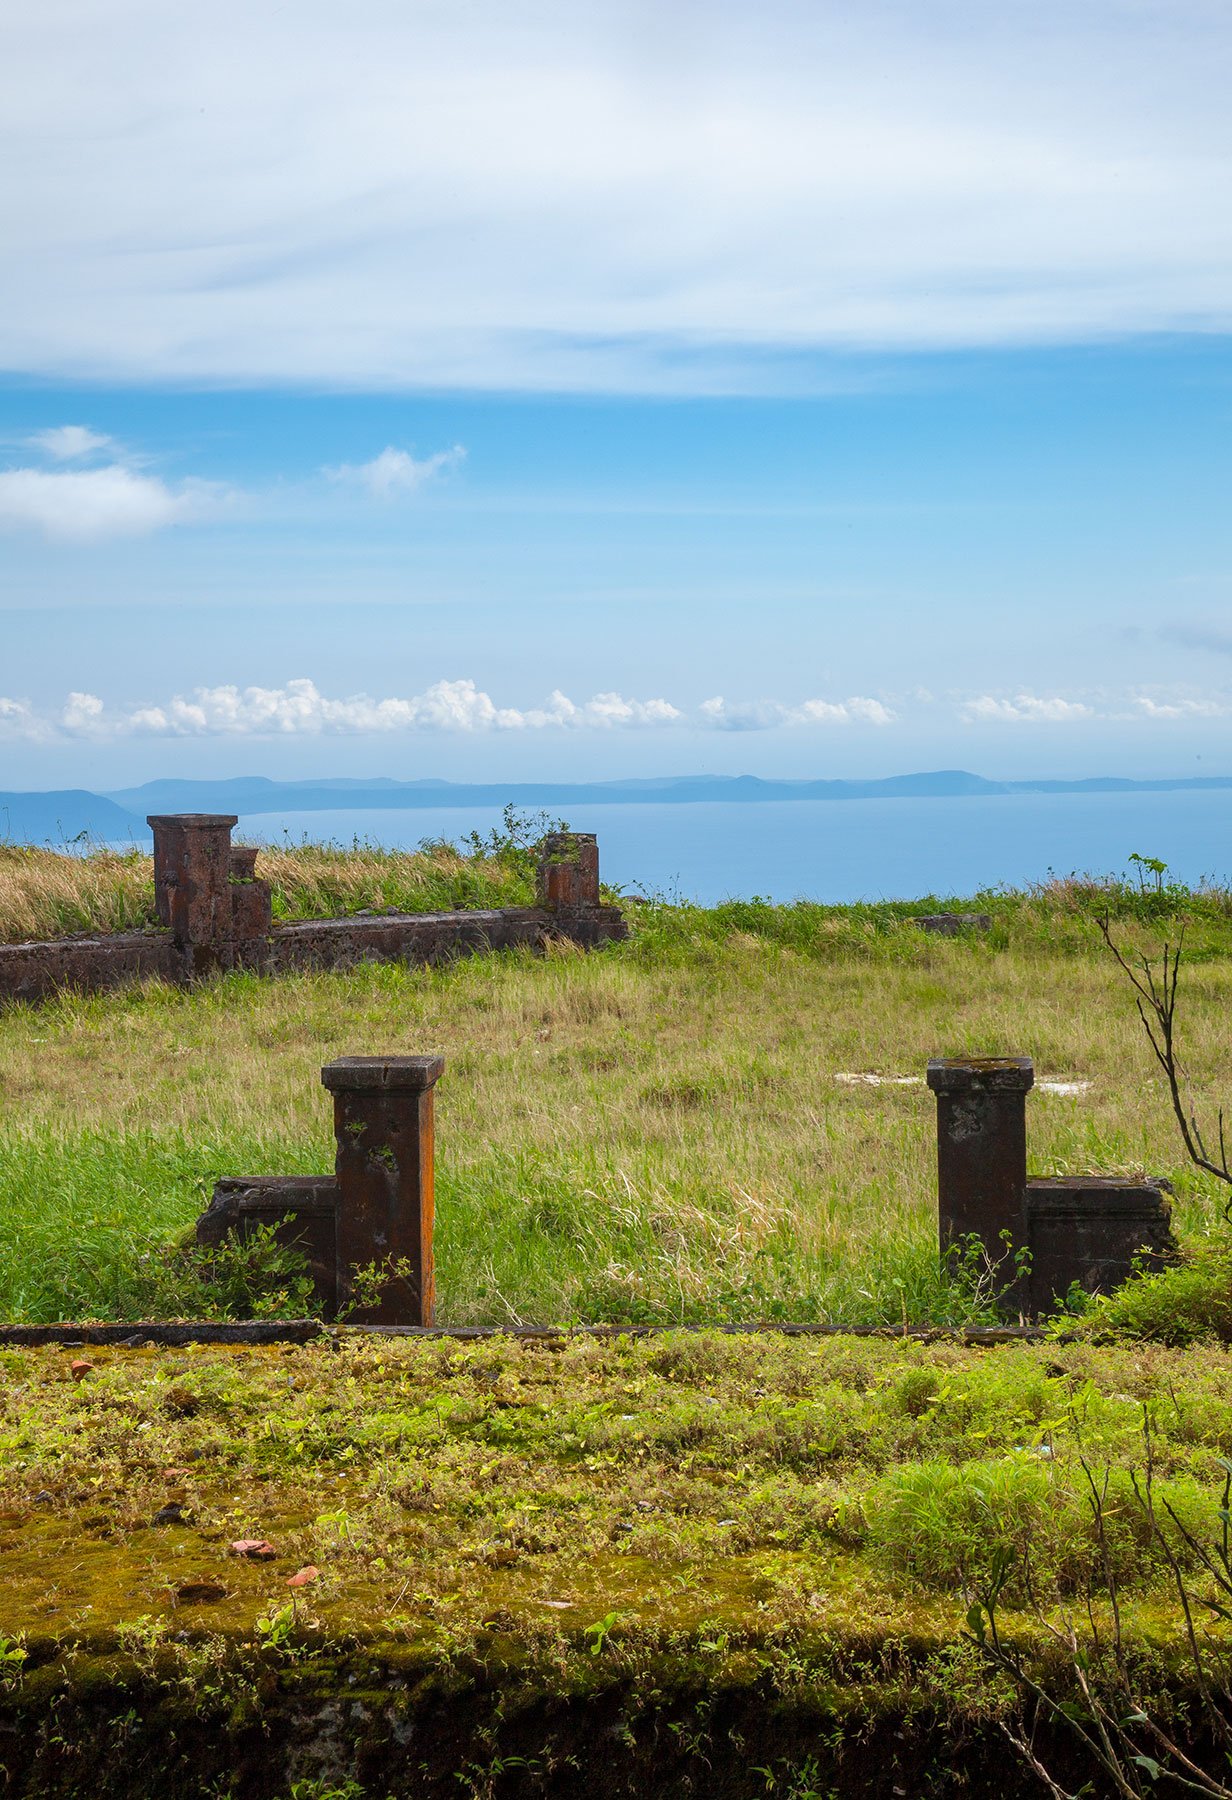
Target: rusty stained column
x=569, y=871
x=383, y=1120
x=192, y=885
x=982, y=1155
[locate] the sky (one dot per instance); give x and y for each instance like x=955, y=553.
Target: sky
x=588, y=390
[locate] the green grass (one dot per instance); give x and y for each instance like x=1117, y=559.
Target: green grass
x=650, y=1133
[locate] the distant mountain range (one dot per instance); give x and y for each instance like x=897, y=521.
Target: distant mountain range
x=66, y=814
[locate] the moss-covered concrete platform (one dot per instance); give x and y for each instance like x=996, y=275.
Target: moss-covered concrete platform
x=681, y=1564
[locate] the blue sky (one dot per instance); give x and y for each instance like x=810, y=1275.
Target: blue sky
x=553, y=390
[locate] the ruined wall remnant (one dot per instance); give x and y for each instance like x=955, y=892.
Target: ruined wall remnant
x=85, y=964
x=569, y=872
x=216, y=913
x=1083, y=1230
x=366, y=1230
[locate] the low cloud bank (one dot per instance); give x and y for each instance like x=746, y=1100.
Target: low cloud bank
x=301, y=709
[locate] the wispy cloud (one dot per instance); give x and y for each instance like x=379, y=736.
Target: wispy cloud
x=765, y=715
x=69, y=443
x=1024, y=709
x=1182, y=709
x=1198, y=636
x=120, y=497
x=396, y=472
x=552, y=196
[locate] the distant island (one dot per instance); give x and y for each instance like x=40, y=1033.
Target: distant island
x=60, y=816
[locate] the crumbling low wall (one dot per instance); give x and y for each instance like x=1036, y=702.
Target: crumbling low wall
x=33, y=972
x=216, y=914
x=431, y=937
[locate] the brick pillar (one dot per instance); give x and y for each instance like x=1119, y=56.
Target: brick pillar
x=568, y=871
x=982, y=1152
x=384, y=1126
x=192, y=885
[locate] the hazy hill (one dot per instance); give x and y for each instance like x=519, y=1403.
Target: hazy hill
x=59, y=816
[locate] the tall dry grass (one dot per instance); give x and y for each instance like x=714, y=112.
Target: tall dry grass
x=48, y=894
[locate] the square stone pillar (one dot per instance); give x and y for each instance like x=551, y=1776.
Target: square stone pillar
x=192, y=886
x=569, y=871
x=982, y=1155
x=383, y=1121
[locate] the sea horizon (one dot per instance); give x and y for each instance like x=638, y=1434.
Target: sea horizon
x=890, y=848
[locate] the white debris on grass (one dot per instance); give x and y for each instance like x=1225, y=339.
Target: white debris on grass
x=868, y=1078
x=863, y=1078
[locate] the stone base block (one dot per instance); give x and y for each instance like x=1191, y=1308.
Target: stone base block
x=1092, y=1230
x=303, y=1209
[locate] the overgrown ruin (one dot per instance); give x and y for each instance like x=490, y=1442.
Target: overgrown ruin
x=215, y=914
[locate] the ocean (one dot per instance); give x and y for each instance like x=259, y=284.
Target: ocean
x=840, y=850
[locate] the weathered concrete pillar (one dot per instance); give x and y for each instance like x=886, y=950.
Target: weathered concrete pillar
x=383, y=1121
x=982, y=1153
x=569, y=871
x=192, y=886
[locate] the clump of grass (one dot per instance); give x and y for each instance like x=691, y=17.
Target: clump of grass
x=1056, y=915
x=50, y=893
x=1188, y=1302
x=312, y=881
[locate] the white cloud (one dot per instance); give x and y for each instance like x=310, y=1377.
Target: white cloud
x=301, y=709
x=397, y=471
x=69, y=443
x=603, y=196
x=766, y=715
x=1181, y=709
x=1024, y=709
x=82, y=713
x=113, y=501
x=18, y=719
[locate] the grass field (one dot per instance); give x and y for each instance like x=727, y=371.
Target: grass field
x=654, y=1132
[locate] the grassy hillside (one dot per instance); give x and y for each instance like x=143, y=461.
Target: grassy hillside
x=658, y=1131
